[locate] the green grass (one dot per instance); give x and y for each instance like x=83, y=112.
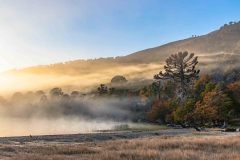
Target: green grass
x=139, y=127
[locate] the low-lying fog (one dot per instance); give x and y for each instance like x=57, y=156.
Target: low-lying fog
x=58, y=113
x=11, y=126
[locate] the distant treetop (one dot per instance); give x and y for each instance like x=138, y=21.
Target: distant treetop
x=230, y=23
x=118, y=79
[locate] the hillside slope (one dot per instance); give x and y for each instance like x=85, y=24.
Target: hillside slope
x=223, y=41
x=218, y=51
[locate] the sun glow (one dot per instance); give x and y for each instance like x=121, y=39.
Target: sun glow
x=7, y=86
x=4, y=65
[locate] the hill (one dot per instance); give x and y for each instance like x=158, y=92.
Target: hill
x=224, y=40
x=218, y=51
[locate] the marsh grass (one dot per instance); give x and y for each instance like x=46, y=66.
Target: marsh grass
x=195, y=147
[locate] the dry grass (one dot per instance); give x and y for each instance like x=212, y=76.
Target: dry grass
x=197, y=147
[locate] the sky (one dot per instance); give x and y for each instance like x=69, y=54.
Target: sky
x=34, y=32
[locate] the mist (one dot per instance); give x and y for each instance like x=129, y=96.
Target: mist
x=11, y=126
x=72, y=76
x=38, y=114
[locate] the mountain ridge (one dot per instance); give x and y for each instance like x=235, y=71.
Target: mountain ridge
x=225, y=40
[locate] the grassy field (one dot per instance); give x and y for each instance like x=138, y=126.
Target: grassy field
x=196, y=146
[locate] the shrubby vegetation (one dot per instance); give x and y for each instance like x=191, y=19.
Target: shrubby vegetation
x=209, y=103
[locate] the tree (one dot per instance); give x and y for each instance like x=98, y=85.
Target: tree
x=56, y=92
x=102, y=89
x=181, y=69
x=204, y=113
x=158, y=85
x=184, y=114
x=75, y=94
x=118, y=80
x=234, y=92
x=215, y=106
x=159, y=111
x=40, y=93
x=154, y=89
x=66, y=97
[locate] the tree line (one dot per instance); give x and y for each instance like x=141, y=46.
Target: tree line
x=179, y=94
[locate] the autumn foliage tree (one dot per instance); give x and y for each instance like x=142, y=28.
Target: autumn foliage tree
x=203, y=85
x=159, y=111
x=216, y=106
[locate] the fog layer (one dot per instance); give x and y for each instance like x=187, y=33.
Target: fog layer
x=38, y=114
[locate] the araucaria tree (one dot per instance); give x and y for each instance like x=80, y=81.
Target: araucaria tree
x=181, y=69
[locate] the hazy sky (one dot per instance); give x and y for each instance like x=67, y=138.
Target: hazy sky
x=47, y=31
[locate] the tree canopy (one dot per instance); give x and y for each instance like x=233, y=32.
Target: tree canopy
x=181, y=68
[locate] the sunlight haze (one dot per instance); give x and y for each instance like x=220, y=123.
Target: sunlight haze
x=119, y=79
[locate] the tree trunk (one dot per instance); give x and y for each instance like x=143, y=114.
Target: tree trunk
x=159, y=90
